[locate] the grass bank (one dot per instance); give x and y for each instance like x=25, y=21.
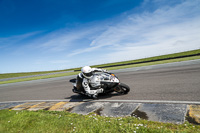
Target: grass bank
x=153, y=59
x=111, y=66
x=39, y=77
x=154, y=63
x=150, y=59
x=11, y=75
x=65, y=122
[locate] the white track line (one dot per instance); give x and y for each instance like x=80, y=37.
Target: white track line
x=124, y=101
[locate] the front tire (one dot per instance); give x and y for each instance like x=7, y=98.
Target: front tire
x=124, y=89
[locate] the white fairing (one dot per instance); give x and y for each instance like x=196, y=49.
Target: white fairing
x=109, y=78
x=96, y=79
x=114, y=79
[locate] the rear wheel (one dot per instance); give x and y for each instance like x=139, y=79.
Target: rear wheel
x=123, y=88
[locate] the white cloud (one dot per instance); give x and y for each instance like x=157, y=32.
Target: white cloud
x=62, y=40
x=59, y=61
x=12, y=40
x=163, y=31
x=59, y=40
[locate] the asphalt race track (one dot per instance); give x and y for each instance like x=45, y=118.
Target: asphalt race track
x=168, y=82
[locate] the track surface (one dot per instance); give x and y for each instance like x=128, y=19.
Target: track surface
x=180, y=82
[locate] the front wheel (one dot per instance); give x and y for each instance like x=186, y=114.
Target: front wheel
x=123, y=88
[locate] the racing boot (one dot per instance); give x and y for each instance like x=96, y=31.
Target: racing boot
x=75, y=90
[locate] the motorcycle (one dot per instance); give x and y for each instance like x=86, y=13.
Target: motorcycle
x=109, y=82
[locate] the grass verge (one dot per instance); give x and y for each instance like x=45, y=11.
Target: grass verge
x=150, y=59
x=154, y=63
x=65, y=122
x=11, y=75
x=39, y=77
x=109, y=68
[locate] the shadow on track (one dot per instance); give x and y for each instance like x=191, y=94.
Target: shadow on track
x=80, y=98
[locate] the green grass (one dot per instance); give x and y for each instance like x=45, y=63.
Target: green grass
x=110, y=68
x=39, y=77
x=154, y=63
x=153, y=58
x=10, y=75
x=65, y=122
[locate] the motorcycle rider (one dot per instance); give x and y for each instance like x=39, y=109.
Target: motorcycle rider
x=84, y=79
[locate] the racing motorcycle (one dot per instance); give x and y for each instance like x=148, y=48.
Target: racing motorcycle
x=109, y=82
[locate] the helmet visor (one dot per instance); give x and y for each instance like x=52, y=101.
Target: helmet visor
x=88, y=74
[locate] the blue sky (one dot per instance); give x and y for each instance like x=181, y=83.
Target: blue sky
x=41, y=35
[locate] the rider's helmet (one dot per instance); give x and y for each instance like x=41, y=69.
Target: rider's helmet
x=87, y=72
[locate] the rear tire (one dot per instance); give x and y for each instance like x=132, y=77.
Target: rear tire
x=124, y=88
